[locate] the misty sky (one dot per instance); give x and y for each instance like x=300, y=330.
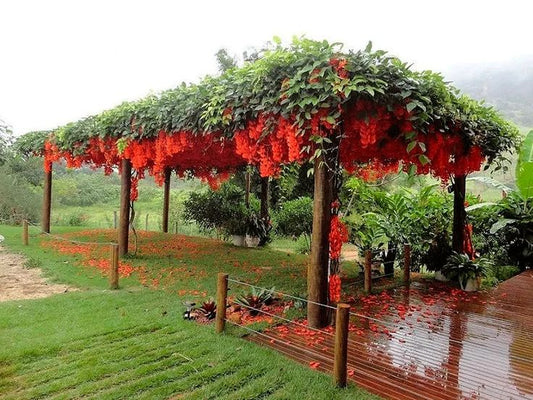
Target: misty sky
x=63, y=60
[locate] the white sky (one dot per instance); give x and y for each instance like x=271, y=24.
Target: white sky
x=63, y=60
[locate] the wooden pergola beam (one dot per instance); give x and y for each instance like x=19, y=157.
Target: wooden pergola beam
x=47, y=199
x=317, y=271
x=265, y=185
x=166, y=199
x=124, y=219
x=459, y=213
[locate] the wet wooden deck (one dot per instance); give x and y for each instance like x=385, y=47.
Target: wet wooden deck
x=430, y=342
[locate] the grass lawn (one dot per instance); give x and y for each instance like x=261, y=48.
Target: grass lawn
x=133, y=343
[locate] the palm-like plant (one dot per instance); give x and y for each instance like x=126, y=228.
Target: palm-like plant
x=461, y=268
x=256, y=299
x=515, y=211
x=208, y=309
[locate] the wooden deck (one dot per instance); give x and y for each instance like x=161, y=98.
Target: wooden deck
x=430, y=342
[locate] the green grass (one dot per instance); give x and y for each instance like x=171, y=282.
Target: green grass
x=133, y=343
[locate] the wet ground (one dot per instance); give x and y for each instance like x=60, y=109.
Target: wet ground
x=430, y=342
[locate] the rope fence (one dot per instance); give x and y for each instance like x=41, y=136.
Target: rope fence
x=425, y=347
x=340, y=336
x=113, y=249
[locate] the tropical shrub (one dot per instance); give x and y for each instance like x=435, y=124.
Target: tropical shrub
x=421, y=218
x=461, y=267
x=20, y=198
x=504, y=230
x=217, y=209
x=256, y=299
x=294, y=218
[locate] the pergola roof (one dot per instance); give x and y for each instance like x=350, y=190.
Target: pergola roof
x=287, y=106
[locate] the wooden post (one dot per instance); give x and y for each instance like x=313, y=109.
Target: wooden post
x=368, y=271
x=222, y=295
x=166, y=199
x=47, y=198
x=459, y=213
x=113, y=272
x=176, y=227
x=406, y=263
x=146, y=223
x=264, y=197
x=125, y=187
x=115, y=219
x=341, y=344
x=317, y=271
x=25, y=235
x=247, y=189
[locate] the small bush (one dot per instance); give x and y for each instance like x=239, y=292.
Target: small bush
x=295, y=217
x=502, y=272
x=213, y=209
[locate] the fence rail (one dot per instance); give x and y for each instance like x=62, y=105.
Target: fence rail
x=382, y=368
x=113, y=249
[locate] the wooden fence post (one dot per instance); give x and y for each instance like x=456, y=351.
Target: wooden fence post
x=113, y=272
x=341, y=344
x=47, y=199
x=176, y=227
x=166, y=199
x=25, y=235
x=368, y=271
x=125, y=210
x=146, y=223
x=317, y=267
x=406, y=263
x=115, y=219
x=222, y=295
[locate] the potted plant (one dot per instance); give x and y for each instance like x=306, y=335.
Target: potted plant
x=236, y=225
x=256, y=230
x=237, y=229
x=466, y=271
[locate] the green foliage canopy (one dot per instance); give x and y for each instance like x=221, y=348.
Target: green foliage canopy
x=296, y=82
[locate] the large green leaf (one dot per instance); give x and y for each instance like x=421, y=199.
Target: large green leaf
x=480, y=205
x=524, y=168
x=502, y=223
x=490, y=182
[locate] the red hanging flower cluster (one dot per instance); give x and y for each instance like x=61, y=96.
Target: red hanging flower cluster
x=377, y=138
x=98, y=153
x=269, y=142
x=210, y=158
x=338, y=234
x=334, y=288
x=339, y=64
x=320, y=126
x=447, y=155
x=375, y=170
x=373, y=135
x=468, y=246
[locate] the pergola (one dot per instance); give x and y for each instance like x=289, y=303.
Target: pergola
x=309, y=101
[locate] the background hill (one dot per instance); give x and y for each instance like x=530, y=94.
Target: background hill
x=508, y=86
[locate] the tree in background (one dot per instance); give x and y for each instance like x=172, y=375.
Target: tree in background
x=6, y=139
x=225, y=61
x=20, y=180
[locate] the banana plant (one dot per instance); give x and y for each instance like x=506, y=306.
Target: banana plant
x=515, y=210
x=524, y=168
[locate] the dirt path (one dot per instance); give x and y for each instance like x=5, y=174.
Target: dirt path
x=18, y=282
